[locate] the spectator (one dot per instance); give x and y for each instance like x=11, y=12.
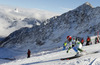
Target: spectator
x=88, y=41
x=82, y=41
x=28, y=53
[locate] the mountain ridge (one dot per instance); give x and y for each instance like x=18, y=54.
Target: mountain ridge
x=52, y=32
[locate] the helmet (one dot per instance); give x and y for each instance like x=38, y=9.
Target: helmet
x=69, y=38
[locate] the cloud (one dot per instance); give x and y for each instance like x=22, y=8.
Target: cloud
x=3, y=25
x=65, y=9
x=8, y=15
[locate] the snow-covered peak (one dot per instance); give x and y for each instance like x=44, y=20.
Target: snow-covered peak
x=84, y=7
x=88, y=4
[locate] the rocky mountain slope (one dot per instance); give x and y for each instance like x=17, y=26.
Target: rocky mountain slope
x=83, y=21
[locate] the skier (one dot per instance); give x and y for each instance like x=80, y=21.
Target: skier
x=88, y=41
x=64, y=45
x=76, y=46
x=28, y=53
x=82, y=41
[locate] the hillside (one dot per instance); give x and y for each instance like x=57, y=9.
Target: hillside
x=81, y=22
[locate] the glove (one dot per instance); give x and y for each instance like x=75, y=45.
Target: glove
x=72, y=45
x=67, y=51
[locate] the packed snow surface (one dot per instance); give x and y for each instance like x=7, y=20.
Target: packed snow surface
x=52, y=57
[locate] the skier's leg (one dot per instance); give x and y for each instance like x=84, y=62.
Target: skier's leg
x=75, y=49
x=80, y=50
x=79, y=47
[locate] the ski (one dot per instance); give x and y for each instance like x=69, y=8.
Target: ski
x=69, y=58
x=74, y=57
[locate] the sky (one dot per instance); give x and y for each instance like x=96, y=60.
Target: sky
x=57, y=6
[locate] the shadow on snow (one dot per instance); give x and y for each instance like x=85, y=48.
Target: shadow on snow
x=41, y=62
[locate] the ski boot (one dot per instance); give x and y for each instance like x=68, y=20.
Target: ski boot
x=77, y=54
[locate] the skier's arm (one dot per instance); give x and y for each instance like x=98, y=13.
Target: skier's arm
x=70, y=46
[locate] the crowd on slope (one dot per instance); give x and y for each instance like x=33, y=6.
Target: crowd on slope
x=77, y=43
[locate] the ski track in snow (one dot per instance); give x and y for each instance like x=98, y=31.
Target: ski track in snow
x=96, y=62
x=92, y=61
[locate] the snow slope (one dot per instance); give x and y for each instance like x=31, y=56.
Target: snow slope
x=53, y=57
